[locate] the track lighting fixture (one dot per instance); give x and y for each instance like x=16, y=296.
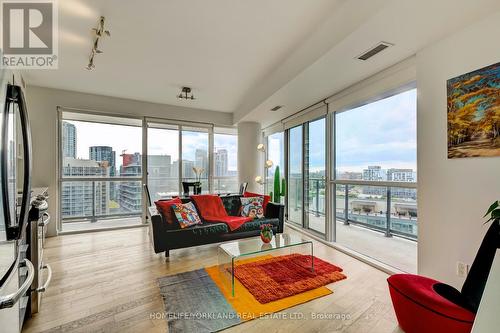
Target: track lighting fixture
x=99, y=32
x=186, y=93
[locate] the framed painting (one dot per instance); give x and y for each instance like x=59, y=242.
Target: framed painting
x=474, y=113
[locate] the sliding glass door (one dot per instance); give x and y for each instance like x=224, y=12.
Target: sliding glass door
x=225, y=161
x=195, y=164
x=295, y=175
x=163, y=160
x=176, y=154
x=315, y=172
x=307, y=175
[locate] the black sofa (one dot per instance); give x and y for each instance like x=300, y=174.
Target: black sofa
x=166, y=237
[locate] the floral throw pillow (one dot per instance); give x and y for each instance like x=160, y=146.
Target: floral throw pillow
x=186, y=214
x=252, y=207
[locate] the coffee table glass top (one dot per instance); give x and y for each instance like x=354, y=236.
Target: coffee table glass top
x=256, y=245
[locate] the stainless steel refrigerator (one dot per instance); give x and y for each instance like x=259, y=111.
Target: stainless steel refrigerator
x=16, y=271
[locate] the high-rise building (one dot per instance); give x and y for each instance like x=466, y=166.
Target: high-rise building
x=159, y=175
x=130, y=192
x=201, y=160
x=221, y=166
x=69, y=139
x=104, y=153
x=374, y=173
x=401, y=175
x=84, y=199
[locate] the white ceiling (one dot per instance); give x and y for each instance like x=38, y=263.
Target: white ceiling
x=410, y=25
x=244, y=56
x=220, y=48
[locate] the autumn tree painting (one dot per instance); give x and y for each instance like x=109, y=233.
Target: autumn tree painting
x=474, y=113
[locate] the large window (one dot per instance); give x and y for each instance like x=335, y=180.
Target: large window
x=225, y=161
x=376, y=174
x=373, y=180
x=101, y=169
x=101, y=165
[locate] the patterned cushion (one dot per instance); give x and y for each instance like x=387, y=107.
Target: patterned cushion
x=252, y=207
x=186, y=214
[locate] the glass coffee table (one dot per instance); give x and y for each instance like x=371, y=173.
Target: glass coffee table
x=230, y=253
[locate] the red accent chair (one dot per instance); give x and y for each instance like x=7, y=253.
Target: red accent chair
x=426, y=305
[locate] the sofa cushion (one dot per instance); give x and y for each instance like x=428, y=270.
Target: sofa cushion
x=255, y=224
x=186, y=214
x=204, y=229
x=232, y=204
x=252, y=207
x=165, y=209
x=209, y=205
x=267, y=198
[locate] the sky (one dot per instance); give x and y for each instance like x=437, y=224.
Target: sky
x=381, y=133
x=160, y=141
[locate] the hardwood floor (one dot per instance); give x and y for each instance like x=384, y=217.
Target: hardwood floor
x=106, y=282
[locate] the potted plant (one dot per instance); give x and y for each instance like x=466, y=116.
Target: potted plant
x=279, y=191
x=266, y=233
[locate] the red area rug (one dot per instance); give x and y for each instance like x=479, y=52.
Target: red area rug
x=283, y=276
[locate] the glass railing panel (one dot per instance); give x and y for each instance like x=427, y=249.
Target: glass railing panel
x=382, y=223
x=100, y=200
x=404, y=213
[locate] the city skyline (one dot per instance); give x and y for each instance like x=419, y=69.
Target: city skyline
x=129, y=139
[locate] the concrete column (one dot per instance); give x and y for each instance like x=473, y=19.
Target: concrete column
x=250, y=160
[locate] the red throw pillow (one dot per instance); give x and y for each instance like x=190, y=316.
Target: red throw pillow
x=267, y=198
x=209, y=205
x=165, y=209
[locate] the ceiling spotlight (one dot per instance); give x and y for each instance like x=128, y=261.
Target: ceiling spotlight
x=100, y=28
x=186, y=93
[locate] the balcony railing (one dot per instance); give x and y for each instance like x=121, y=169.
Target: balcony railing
x=390, y=208
x=99, y=199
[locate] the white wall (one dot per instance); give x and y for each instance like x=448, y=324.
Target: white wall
x=453, y=194
x=42, y=108
x=250, y=159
